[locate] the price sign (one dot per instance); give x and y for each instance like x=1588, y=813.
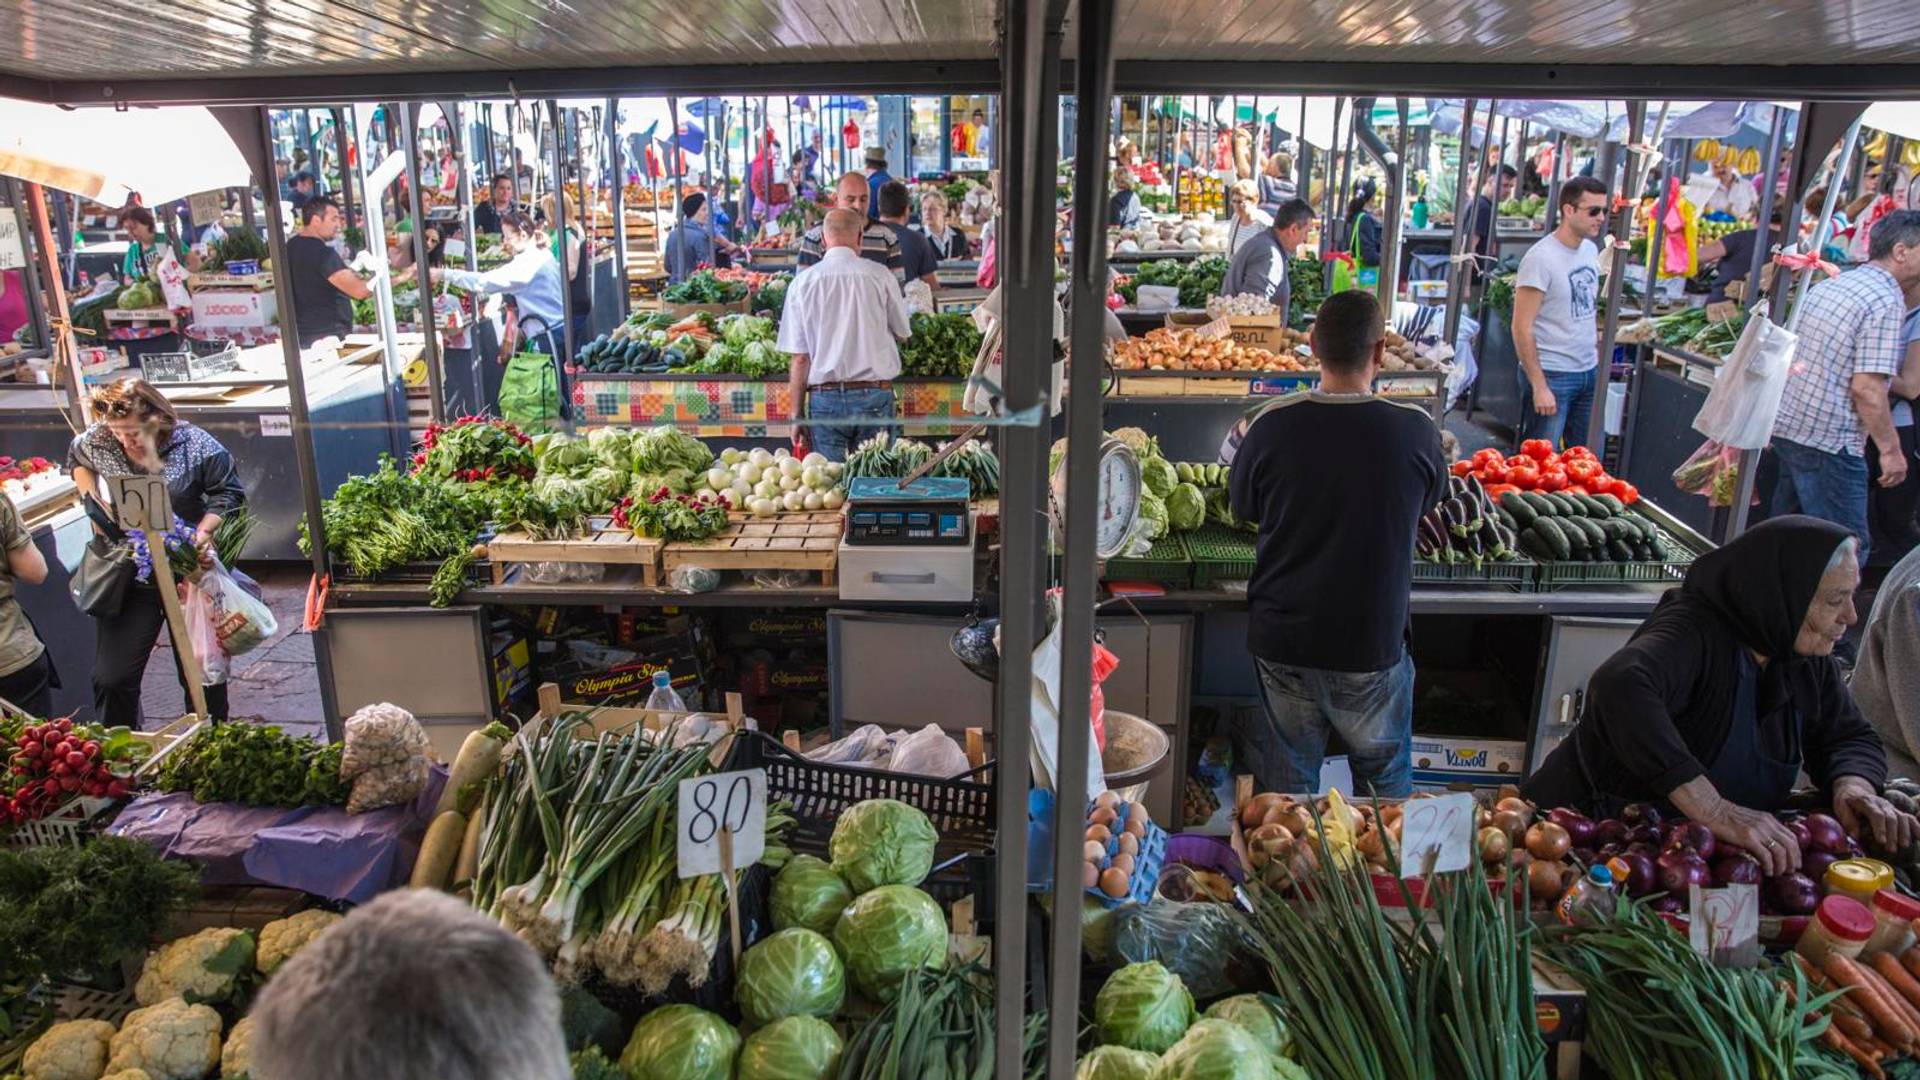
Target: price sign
x=733, y=803
x=140, y=502
x=205, y=207
x=1722, y=310
x=1723, y=925
x=13, y=254
x=1218, y=328
x=1440, y=829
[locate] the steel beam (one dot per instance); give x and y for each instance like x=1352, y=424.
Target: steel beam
x=422, y=274
x=617, y=203
x=560, y=230
x=1620, y=226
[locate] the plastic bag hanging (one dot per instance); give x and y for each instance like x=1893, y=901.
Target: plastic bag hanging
x=1745, y=398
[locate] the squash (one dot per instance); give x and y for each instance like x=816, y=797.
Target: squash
x=433, y=869
x=468, y=864
x=475, y=764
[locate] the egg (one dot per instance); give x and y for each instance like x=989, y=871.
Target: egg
x=1099, y=834
x=1129, y=844
x=1106, y=800
x=1114, y=883
x=1137, y=812
x=1095, y=852
x=1090, y=877
x=1102, y=815
x=1124, y=863
x=1137, y=829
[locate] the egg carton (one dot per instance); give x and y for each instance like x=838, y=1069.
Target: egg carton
x=1040, y=830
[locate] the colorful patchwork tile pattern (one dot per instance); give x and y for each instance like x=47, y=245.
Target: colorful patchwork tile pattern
x=738, y=408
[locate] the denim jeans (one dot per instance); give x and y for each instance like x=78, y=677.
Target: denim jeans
x=1829, y=486
x=1372, y=711
x=834, y=440
x=1573, y=392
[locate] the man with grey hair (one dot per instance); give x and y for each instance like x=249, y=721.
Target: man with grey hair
x=843, y=322
x=1836, y=394
x=414, y=984
x=877, y=243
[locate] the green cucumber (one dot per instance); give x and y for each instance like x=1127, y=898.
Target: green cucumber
x=1558, y=545
x=1518, y=508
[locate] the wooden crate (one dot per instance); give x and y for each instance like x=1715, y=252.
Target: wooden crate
x=796, y=541
x=609, y=719
x=609, y=546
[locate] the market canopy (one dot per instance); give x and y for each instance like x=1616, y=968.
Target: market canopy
x=1586, y=119
x=106, y=155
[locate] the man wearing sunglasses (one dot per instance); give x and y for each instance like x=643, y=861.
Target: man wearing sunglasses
x=1555, y=296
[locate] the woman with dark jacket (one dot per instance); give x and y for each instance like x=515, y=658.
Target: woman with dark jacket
x=137, y=432
x=1727, y=692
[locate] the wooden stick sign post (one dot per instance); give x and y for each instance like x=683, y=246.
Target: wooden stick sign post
x=722, y=825
x=141, y=505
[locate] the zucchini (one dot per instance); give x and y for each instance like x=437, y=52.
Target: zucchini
x=433, y=869
x=1613, y=505
x=1539, y=504
x=1620, y=551
x=1558, y=546
x=1647, y=532
x=1594, y=507
x=1505, y=519
x=1596, y=536
x=1563, y=505
x=1518, y=508
x=1532, y=543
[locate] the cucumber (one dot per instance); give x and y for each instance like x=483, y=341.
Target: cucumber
x=1562, y=505
x=1613, y=505
x=1508, y=520
x=1647, y=532
x=1620, y=551
x=1539, y=504
x=1596, y=536
x=1531, y=543
x=1594, y=507
x=1518, y=508
x=1550, y=533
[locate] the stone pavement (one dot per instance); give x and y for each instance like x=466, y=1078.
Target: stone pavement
x=277, y=682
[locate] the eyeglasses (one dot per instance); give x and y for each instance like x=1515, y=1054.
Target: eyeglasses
x=118, y=409
x=1595, y=211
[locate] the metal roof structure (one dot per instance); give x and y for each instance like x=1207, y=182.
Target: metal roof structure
x=91, y=51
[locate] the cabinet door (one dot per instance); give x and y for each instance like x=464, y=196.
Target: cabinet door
x=1575, y=646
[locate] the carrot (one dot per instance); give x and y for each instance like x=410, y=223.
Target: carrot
x=1892, y=997
x=1887, y=1019
x=1834, y=1039
x=1899, y=978
x=1852, y=1026
x=1911, y=961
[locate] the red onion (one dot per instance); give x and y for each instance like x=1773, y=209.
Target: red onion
x=1814, y=864
x=1610, y=831
x=1692, y=836
x=1826, y=834
x=1585, y=856
x=1580, y=829
x=1801, y=835
x=1678, y=869
x=1735, y=868
x=1641, y=814
x=1668, y=904
x=1792, y=894
x=1645, y=834
x=1635, y=872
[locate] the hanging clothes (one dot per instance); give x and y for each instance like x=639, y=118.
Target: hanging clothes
x=1679, y=234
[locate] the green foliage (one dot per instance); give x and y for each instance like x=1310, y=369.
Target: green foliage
x=704, y=288
x=73, y=910
x=942, y=346
x=255, y=765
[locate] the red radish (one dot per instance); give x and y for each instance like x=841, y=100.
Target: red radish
x=76, y=760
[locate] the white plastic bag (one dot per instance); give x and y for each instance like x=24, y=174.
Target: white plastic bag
x=1745, y=400
x=203, y=637
x=927, y=752
x=240, y=621
x=1045, y=722
x=867, y=747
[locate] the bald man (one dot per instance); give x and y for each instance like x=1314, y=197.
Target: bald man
x=878, y=244
x=843, y=322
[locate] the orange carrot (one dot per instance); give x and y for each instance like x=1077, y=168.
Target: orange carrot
x=1898, y=977
x=1892, y=997
x=1833, y=1038
x=1852, y=1026
x=1887, y=1018
x=1911, y=961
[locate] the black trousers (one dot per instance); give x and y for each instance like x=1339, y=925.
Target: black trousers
x=1891, y=512
x=122, y=646
x=31, y=688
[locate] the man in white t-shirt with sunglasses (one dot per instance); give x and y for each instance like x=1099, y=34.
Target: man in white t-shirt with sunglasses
x=1555, y=296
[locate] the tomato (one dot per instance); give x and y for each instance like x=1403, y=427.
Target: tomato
x=1583, y=470
x=1538, y=449
x=1462, y=468
x=1578, y=453
x=1524, y=476
x=1574, y=489
x=1552, y=479
x=1494, y=491
x=1489, y=456
x=1494, y=474
x=1625, y=492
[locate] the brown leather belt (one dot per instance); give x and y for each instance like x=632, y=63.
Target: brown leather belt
x=874, y=385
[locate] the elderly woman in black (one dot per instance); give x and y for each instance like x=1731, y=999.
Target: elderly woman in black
x=137, y=432
x=1727, y=692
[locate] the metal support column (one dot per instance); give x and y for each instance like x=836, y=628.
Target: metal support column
x=417, y=211
x=1395, y=211
x=1822, y=228
x=673, y=154
x=1620, y=227
x=1093, y=84
x=1030, y=73
x=376, y=241
x=1462, y=201
x=617, y=202
x=252, y=131
x=560, y=230
x=341, y=145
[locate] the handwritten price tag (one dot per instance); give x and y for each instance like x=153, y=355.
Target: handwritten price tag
x=140, y=502
x=733, y=803
x=1441, y=829
x=1723, y=925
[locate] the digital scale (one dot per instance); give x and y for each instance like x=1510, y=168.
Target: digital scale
x=931, y=510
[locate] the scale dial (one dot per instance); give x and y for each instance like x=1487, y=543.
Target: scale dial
x=1119, y=499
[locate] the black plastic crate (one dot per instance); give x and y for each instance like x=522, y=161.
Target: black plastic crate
x=716, y=993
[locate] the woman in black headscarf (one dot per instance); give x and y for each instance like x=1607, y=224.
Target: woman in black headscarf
x=1727, y=692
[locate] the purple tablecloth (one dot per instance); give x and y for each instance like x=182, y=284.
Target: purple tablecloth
x=320, y=850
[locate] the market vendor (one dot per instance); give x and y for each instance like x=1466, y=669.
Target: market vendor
x=488, y=215
x=1260, y=267
x=1727, y=692
x=324, y=286
x=1123, y=209
x=147, y=249
x=693, y=245
x=531, y=276
x=877, y=244
x=947, y=241
x=1732, y=256
x=843, y=322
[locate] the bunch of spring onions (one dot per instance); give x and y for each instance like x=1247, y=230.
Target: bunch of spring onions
x=577, y=855
x=1445, y=994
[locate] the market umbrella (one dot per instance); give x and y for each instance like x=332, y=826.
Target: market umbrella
x=106, y=154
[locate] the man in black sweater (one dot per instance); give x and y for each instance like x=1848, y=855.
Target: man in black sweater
x=1338, y=480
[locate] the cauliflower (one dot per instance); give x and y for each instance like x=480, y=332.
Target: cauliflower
x=75, y=1050
x=170, y=1041
x=128, y=1074
x=281, y=938
x=236, y=1058
x=203, y=967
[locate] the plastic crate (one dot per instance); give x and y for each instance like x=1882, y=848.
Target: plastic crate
x=1517, y=572
x=1556, y=575
x=716, y=993
x=1220, y=554
x=1167, y=563
x=80, y=818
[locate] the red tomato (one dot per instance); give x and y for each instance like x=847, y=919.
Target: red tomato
x=1462, y=468
x=1583, y=470
x=1552, y=479
x=1574, y=489
x=1494, y=491
x=1524, y=476
x=1495, y=474
x=1625, y=492
x=1578, y=453
x=1489, y=456
x=1538, y=449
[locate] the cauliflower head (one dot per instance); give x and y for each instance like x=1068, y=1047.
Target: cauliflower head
x=201, y=967
x=169, y=1041
x=236, y=1057
x=128, y=1074
x=74, y=1050
x=281, y=938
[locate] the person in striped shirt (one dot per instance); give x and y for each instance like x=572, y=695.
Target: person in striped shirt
x=877, y=244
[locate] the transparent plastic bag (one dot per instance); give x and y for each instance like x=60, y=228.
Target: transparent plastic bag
x=1197, y=941
x=203, y=638
x=1712, y=471
x=927, y=752
x=240, y=621
x=693, y=579
x=1745, y=398
x=867, y=747
x=781, y=579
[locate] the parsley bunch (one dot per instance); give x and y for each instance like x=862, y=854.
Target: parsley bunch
x=255, y=765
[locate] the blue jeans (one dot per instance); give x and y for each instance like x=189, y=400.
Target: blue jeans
x=1372, y=711
x=1573, y=391
x=834, y=440
x=1829, y=486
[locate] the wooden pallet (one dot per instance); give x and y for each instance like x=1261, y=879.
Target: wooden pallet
x=609, y=546
x=807, y=540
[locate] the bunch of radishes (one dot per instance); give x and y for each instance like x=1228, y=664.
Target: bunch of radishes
x=52, y=762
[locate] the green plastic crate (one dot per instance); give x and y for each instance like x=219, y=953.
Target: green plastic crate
x=1220, y=554
x=1518, y=571
x=1558, y=575
x=1166, y=563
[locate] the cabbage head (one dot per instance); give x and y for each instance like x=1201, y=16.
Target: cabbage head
x=1143, y=1006
x=790, y=973
x=887, y=933
x=1186, y=507
x=1116, y=1063
x=665, y=447
x=681, y=1042
x=1260, y=1019
x=882, y=842
x=793, y=1048
x=1158, y=475
x=807, y=892
x=1216, y=1050
x=1154, y=519
x=612, y=446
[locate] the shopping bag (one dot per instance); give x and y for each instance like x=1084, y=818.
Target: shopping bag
x=1044, y=750
x=1712, y=471
x=1745, y=399
x=240, y=622
x=530, y=392
x=202, y=635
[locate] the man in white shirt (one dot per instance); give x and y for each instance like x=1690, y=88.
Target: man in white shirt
x=1555, y=296
x=843, y=322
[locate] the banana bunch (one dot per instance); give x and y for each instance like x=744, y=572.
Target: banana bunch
x=1745, y=161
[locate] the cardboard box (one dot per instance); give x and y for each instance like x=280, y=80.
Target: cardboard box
x=603, y=675
x=681, y=311
x=1450, y=762
x=1256, y=331
x=773, y=629
x=512, y=663
x=233, y=309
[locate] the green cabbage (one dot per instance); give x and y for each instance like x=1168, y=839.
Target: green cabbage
x=791, y=973
x=1219, y=1050
x=882, y=842
x=613, y=447
x=664, y=448
x=1143, y=1006
x=1116, y=1063
x=681, y=1042
x=1186, y=507
x=1258, y=1018
x=793, y=1048
x=1153, y=522
x=1158, y=476
x=888, y=932
x=740, y=330
x=807, y=892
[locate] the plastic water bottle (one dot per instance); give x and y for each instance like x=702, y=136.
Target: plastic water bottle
x=1589, y=900
x=663, y=699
